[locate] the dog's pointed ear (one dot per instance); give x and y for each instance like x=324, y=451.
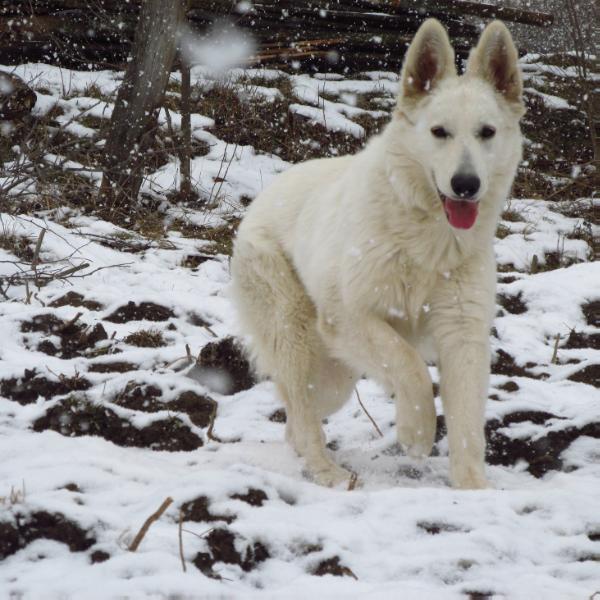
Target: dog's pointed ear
x=495, y=59
x=428, y=60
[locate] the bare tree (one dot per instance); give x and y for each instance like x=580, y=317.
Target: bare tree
x=133, y=120
x=582, y=46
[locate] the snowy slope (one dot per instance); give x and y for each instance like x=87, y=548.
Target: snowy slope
x=72, y=500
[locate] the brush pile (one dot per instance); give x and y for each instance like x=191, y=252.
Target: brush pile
x=338, y=35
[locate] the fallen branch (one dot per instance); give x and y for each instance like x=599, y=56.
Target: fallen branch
x=181, y=541
x=151, y=519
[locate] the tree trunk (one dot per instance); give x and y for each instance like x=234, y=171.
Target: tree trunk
x=133, y=121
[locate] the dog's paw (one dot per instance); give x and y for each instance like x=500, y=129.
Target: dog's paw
x=416, y=443
x=331, y=475
x=469, y=479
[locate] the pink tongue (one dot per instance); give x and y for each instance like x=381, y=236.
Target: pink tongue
x=461, y=213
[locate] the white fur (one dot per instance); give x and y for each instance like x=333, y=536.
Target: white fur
x=349, y=266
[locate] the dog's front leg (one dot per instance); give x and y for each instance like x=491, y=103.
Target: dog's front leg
x=370, y=345
x=464, y=362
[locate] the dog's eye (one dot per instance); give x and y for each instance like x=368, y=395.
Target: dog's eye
x=487, y=132
x=439, y=132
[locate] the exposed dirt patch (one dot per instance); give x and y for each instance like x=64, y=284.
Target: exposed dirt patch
x=99, y=556
x=513, y=304
x=332, y=566
x=71, y=338
x=200, y=409
x=31, y=386
x=253, y=496
x=225, y=360
x=75, y=299
x=504, y=364
x=76, y=416
x=146, y=338
x=144, y=311
x=23, y=529
x=591, y=311
x=437, y=528
x=278, y=416
x=542, y=454
x=589, y=375
x=222, y=548
x=193, y=261
x=577, y=339
x=509, y=386
x=112, y=367
x=198, y=510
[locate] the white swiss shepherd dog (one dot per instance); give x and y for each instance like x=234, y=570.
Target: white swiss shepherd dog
x=376, y=263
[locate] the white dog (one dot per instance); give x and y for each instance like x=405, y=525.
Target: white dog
x=376, y=263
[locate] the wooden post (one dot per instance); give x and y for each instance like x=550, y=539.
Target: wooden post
x=185, y=187
x=133, y=120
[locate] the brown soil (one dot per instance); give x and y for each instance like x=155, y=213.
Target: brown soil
x=146, y=338
x=198, y=510
x=99, y=556
x=512, y=304
x=74, y=338
x=75, y=416
x=582, y=340
x=253, y=496
x=144, y=311
x=75, y=299
x=31, y=386
x=225, y=358
x=193, y=261
x=591, y=310
x=222, y=548
x=509, y=386
x=437, y=528
x=112, y=367
x=504, y=364
x=16, y=533
x=332, y=566
x=200, y=409
x=542, y=454
x=589, y=375
x=278, y=416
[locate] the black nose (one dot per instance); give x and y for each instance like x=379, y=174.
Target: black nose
x=465, y=186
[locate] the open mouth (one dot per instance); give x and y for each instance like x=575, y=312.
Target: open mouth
x=461, y=214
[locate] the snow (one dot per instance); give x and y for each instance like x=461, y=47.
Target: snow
x=524, y=538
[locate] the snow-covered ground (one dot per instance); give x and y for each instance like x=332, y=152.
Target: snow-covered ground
x=401, y=533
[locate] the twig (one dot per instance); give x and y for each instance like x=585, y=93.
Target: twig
x=71, y=322
x=199, y=535
x=554, y=359
x=36, y=254
x=154, y=517
x=353, y=481
x=181, y=541
x=209, y=432
x=189, y=353
x=367, y=413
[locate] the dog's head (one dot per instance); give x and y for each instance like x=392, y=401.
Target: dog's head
x=463, y=131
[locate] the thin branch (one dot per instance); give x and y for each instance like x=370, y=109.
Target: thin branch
x=151, y=519
x=367, y=413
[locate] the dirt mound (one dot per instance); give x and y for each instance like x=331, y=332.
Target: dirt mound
x=77, y=416
x=144, y=311
x=31, y=386
x=512, y=304
x=198, y=510
x=15, y=534
x=143, y=397
x=75, y=299
x=332, y=566
x=224, y=362
x=222, y=548
x=74, y=339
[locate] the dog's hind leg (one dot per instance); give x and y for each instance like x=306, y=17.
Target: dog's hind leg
x=281, y=322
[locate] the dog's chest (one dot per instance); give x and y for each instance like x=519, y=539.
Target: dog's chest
x=401, y=292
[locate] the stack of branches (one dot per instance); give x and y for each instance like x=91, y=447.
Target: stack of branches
x=335, y=34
